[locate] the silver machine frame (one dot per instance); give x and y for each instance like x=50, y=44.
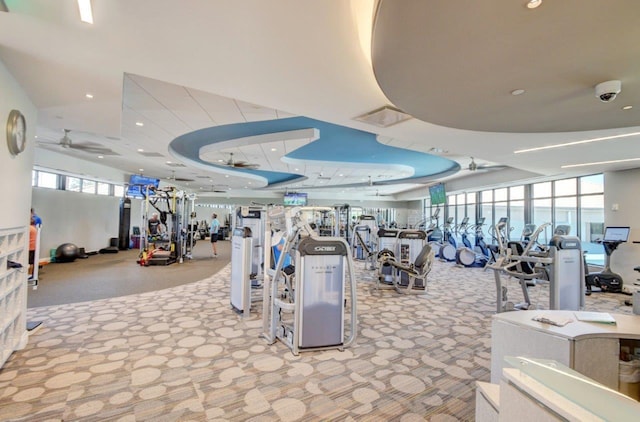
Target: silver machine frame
x=305, y=309
x=561, y=265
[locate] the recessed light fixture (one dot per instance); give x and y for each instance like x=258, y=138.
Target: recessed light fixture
x=341, y=175
x=568, y=144
x=296, y=169
x=140, y=170
x=532, y=4
x=140, y=150
x=226, y=175
x=139, y=124
x=627, y=107
x=100, y=156
x=88, y=95
x=168, y=162
x=601, y=162
x=517, y=92
x=221, y=161
x=86, y=14
x=274, y=149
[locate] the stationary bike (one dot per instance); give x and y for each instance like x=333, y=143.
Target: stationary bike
x=606, y=280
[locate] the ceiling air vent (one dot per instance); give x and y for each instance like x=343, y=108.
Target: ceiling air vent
x=172, y=164
x=384, y=117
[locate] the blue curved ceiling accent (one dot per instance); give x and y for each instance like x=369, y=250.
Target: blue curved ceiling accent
x=338, y=144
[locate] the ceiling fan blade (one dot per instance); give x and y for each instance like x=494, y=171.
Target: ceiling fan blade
x=92, y=149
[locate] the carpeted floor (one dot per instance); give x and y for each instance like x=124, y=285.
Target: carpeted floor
x=183, y=354
x=109, y=275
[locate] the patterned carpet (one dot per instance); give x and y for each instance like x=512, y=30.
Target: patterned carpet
x=182, y=354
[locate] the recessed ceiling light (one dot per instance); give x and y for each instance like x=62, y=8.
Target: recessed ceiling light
x=532, y=4
x=221, y=161
x=140, y=150
x=168, y=162
x=89, y=96
x=86, y=15
x=100, y=156
x=517, y=92
x=139, y=124
x=586, y=141
x=140, y=169
x=601, y=162
x=274, y=149
x=341, y=175
x=226, y=175
x=627, y=107
x=296, y=169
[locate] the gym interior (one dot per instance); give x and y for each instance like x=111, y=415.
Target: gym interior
x=426, y=232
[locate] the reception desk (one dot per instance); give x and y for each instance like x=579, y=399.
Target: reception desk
x=590, y=348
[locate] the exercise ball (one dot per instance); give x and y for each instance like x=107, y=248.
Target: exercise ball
x=67, y=252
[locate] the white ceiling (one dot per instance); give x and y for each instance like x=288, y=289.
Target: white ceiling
x=179, y=67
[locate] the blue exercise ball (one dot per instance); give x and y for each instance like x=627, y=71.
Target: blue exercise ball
x=67, y=252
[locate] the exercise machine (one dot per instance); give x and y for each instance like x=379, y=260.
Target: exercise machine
x=480, y=246
x=253, y=218
x=448, y=248
x=561, y=264
x=242, y=283
x=363, y=240
x=606, y=280
x=465, y=254
x=304, y=305
x=406, y=264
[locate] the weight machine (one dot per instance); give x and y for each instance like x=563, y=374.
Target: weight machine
x=175, y=209
x=406, y=265
x=304, y=305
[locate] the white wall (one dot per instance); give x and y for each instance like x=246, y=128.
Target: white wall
x=622, y=188
x=72, y=217
x=15, y=170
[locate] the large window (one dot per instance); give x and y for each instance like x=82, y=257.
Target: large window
x=73, y=183
x=47, y=180
x=575, y=202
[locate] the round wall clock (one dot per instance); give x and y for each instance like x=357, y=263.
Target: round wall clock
x=16, y=132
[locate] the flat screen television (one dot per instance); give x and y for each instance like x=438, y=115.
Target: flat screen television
x=437, y=194
x=138, y=183
x=295, y=199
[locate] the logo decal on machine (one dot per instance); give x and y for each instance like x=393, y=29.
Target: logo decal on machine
x=324, y=248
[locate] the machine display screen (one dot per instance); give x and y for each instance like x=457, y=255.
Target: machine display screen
x=616, y=234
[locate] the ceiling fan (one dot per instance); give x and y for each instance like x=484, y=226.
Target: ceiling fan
x=473, y=166
x=239, y=164
x=90, y=147
x=173, y=178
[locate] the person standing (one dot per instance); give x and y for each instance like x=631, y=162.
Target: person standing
x=214, y=229
x=33, y=238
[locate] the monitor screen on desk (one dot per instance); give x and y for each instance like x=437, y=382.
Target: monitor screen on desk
x=616, y=234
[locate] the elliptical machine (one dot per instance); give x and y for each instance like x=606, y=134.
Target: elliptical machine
x=465, y=254
x=606, y=280
x=448, y=248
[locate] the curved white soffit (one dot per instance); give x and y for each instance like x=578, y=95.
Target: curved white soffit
x=402, y=170
x=308, y=135
x=262, y=181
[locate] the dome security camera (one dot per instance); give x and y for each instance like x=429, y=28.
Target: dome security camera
x=607, y=91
